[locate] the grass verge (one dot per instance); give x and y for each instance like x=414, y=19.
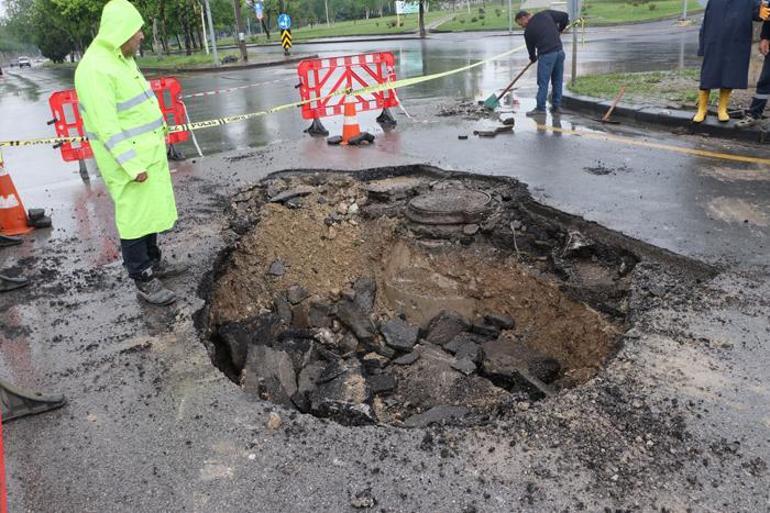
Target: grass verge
x=596, y=12
x=658, y=87
x=373, y=26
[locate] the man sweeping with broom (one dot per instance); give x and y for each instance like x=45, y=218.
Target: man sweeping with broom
x=542, y=33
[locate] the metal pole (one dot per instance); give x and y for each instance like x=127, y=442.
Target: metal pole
x=212, y=34
x=574, y=53
x=684, y=10
x=510, y=18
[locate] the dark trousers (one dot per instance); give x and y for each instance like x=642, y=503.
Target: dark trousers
x=759, y=102
x=139, y=255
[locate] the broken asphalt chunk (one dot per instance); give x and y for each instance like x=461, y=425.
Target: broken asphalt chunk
x=399, y=335
x=444, y=327
x=302, y=190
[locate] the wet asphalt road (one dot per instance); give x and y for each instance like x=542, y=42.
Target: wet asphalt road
x=153, y=427
x=24, y=94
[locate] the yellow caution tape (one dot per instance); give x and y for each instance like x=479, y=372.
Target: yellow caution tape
x=198, y=125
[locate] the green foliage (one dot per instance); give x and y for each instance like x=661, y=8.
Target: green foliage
x=62, y=27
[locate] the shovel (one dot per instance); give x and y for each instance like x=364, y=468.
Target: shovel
x=608, y=114
x=493, y=101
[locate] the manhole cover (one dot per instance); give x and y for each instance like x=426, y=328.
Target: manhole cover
x=453, y=206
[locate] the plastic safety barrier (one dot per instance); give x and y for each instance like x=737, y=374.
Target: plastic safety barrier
x=69, y=123
x=321, y=81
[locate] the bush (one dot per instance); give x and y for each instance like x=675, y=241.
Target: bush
x=483, y=23
x=653, y=7
x=462, y=20
x=498, y=12
x=474, y=19
x=481, y=10
x=482, y=16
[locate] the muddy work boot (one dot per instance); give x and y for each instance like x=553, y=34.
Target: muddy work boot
x=166, y=269
x=747, y=122
x=154, y=292
x=9, y=283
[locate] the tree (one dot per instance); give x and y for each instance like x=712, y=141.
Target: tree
x=422, y=19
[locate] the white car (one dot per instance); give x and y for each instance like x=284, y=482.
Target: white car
x=24, y=61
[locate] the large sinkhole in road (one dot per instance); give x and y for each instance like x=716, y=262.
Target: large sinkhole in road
x=409, y=296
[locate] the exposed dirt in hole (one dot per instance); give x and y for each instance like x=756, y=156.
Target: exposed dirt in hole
x=341, y=299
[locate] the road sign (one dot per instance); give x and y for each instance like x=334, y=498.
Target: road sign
x=284, y=21
x=405, y=7
x=286, y=39
x=259, y=10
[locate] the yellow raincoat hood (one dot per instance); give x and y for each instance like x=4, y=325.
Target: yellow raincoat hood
x=120, y=21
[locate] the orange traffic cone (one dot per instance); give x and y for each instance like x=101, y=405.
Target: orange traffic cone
x=13, y=217
x=350, y=128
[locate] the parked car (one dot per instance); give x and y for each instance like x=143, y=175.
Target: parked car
x=24, y=61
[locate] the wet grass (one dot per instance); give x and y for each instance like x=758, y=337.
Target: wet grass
x=608, y=12
x=596, y=12
x=680, y=86
x=178, y=61
x=374, y=26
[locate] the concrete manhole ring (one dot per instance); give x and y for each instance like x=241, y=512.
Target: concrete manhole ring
x=452, y=206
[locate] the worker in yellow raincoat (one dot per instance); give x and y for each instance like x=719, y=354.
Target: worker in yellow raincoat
x=127, y=133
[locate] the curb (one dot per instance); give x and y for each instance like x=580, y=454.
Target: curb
x=209, y=69
x=662, y=117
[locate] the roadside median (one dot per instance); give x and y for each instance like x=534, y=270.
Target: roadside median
x=662, y=99
x=208, y=68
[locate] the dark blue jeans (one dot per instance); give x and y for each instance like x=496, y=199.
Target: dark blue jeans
x=759, y=102
x=139, y=255
x=550, y=69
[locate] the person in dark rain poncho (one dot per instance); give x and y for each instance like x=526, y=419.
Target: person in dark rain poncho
x=725, y=45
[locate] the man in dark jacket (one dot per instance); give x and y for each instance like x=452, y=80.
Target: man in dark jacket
x=542, y=33
x=759, y=101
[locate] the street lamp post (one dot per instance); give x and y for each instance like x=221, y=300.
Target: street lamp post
x=684, y=10
x=212, y=34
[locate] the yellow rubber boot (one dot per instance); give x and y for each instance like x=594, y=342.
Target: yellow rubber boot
x=703, y=106
x=724, y=101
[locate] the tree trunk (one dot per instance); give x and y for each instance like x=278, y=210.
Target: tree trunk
x=265, y=24
x=155, y=42
x=186, y=31
x=163, y=32
x=422, y=19
x=240, y=30
x=326, y=6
